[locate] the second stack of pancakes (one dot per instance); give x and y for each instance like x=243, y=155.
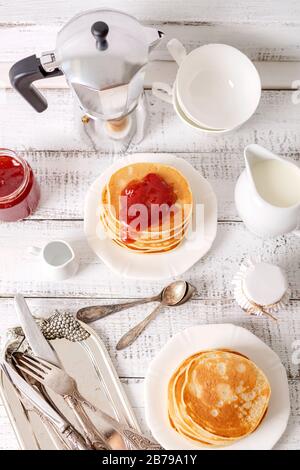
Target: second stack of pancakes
x=217, y=397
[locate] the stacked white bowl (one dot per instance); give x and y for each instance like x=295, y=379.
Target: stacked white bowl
x=217, y=88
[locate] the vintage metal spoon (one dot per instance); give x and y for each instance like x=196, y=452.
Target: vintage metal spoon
x=89, y=314
x=172, y=295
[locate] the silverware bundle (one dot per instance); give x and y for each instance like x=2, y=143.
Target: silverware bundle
x=33, y=375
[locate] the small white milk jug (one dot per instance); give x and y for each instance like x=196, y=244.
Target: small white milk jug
x=267, y=193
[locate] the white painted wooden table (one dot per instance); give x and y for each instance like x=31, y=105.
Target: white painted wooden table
x=66, y=164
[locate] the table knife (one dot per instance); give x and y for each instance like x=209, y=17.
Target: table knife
x=73, y=438
x=35, y=338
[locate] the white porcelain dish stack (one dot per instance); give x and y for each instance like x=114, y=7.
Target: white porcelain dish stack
x=217, y=88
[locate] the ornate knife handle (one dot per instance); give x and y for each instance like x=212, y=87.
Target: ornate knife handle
x=90, y=432
x=74, y=439
x=136, y=440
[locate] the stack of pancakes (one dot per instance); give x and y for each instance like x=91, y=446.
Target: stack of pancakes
x=217, y=397
x=165, y=232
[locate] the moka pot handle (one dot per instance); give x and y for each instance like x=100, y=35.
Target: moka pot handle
x=22, y=76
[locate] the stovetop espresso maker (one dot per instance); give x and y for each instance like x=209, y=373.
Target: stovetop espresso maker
x=102, y=54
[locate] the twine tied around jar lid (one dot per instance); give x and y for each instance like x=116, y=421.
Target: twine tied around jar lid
x=255, y=308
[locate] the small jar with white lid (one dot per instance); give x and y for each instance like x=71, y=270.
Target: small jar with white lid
x=261, y=288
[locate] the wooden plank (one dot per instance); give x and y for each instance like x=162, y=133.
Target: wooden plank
x=133, y=362
x=269, y=11
x=66, y=176
x=274, y=125
x=212, y=274
x=274, y=75
x=279, y=75
x=261, y=42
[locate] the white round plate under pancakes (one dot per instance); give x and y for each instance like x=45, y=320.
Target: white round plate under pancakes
x=157, y=266
x=221, y=336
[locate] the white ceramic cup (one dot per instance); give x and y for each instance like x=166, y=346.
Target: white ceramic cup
x=58, y=258
x=216, y=87
x=165, y=92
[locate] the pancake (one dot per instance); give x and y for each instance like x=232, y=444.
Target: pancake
x=176, y=412
x=189, y=429
x=157, y=249
x=176, y=219
x=123, y=235
x=136, y=172
x=160, y=183
x=154, y=247
x=119, y=230
x=230, y=387
x=217, y=397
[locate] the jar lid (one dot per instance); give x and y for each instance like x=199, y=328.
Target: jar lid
x=264, y=284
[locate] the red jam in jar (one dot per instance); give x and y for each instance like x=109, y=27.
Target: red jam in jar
x=19, y=190
x=151, y=191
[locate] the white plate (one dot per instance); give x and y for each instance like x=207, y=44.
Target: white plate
x=203, y=337
x=161, y=265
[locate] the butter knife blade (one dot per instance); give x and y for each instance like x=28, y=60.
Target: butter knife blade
x=36, y=340
x=34, y=397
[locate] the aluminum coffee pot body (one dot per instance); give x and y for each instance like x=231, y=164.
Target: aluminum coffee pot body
x=102, y=54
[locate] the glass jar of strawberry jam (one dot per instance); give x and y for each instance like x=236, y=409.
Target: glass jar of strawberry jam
x=19, y=190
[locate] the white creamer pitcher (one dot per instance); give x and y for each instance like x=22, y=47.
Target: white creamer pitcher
x=267, y=193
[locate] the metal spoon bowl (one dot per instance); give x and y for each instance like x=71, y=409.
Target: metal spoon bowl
x=174, y=293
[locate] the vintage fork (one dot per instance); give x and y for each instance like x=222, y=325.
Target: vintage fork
x=60, y=382
x=54, y=378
